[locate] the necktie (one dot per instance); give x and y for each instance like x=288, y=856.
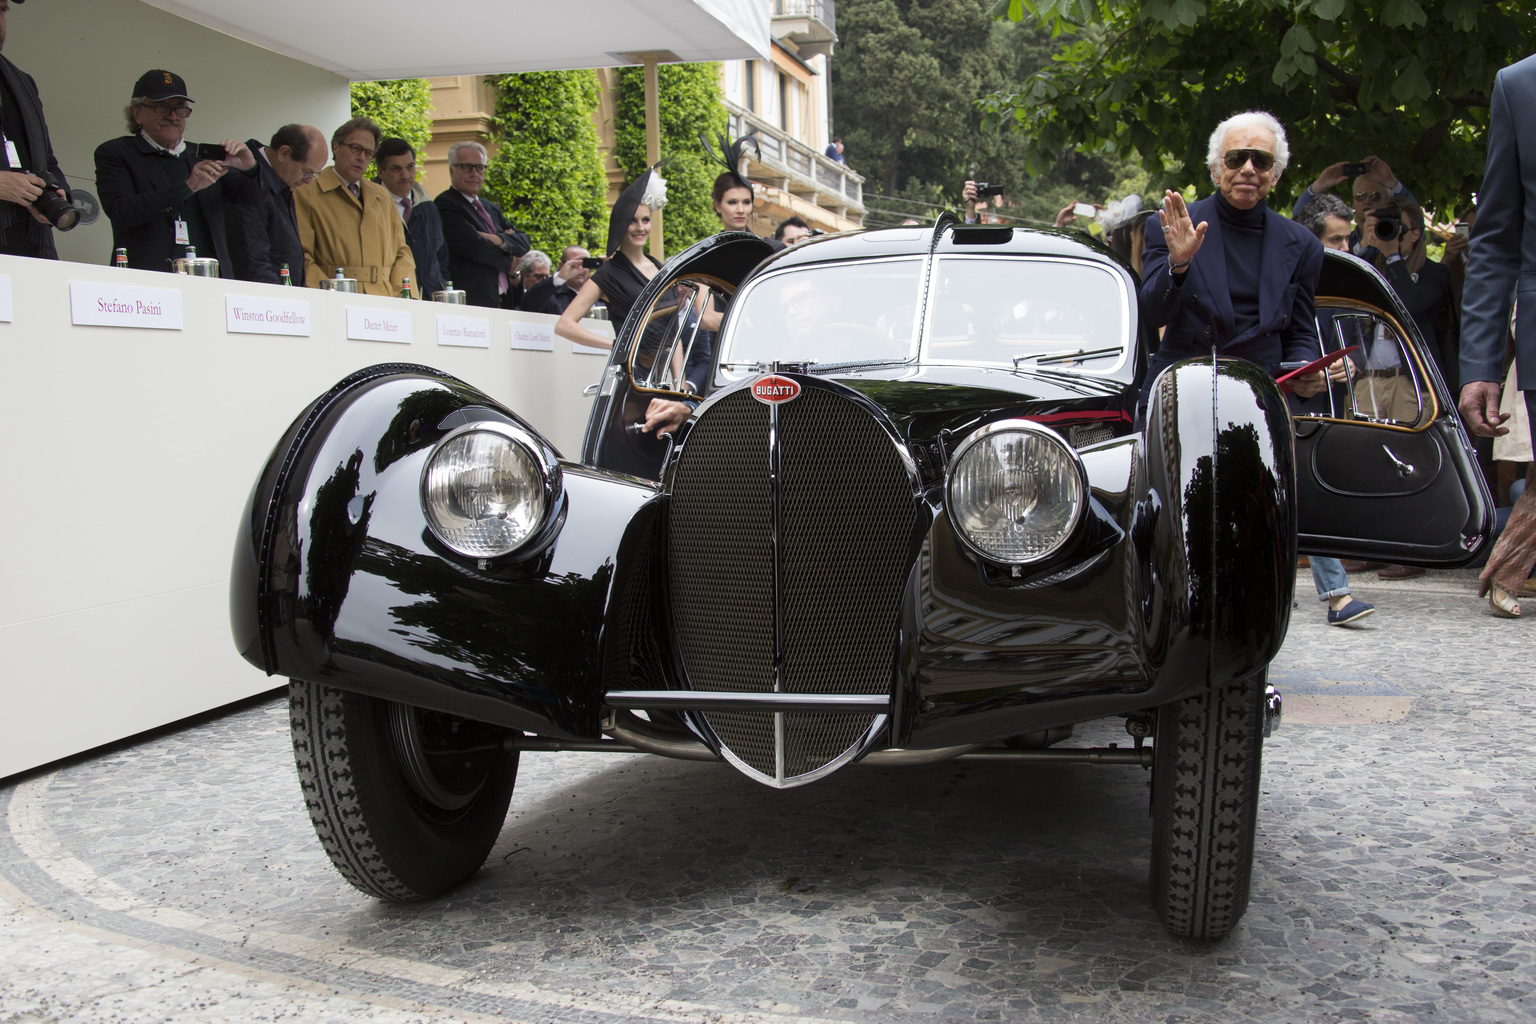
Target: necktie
x=407, y=211
x=356, y=190
x=502, y=281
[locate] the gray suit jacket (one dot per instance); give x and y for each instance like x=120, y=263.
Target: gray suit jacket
x=1502, y=259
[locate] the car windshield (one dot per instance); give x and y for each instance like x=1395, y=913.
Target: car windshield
x=847, y=312
x=1020, y=311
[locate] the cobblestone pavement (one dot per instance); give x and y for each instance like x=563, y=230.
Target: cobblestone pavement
x=179, y=879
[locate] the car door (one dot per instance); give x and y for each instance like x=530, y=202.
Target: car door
x=659, y=346
x=1384, y=467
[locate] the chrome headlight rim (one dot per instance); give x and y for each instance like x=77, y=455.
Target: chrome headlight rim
x=544, y=460
x=1017, y=426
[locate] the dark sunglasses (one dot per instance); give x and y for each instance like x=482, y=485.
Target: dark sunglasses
x=1262, y=161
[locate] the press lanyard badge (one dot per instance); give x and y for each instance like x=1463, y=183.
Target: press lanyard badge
x=183, y=236
x=12, y=158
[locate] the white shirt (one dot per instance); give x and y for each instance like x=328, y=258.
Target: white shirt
x=180, y=146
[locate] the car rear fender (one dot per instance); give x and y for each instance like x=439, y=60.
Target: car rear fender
x=337, y=580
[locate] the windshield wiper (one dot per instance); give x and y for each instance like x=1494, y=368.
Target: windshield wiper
x=1071, y=355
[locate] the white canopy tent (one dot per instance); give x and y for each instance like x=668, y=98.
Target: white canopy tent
x=402, y=39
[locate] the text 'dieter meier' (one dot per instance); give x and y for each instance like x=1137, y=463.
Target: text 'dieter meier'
x=95, y=304
x=365, y=323
x=245, y=314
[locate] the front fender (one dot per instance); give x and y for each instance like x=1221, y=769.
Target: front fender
x=337, y=580
x=1220, y=514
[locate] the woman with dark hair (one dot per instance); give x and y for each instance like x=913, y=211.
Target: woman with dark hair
x=732, y=194
x=628, y=269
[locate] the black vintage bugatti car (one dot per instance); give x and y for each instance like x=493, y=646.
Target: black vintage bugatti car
x=914, y=516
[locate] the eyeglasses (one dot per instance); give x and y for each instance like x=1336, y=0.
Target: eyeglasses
x=1236, y=158
x=310, y=175
x=362, y=151
x=166, y=110
x=469, y=168
x=1370, y=197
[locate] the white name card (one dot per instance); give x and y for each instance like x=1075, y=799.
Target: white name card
x=124, y=305
x=364, y=323
x=5, y=298
x=466, y=331
x=245, y=314
x=533, y=337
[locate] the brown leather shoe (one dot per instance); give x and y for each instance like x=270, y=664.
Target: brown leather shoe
x=1303, y=562
x=1355, y=565
x=1400, y=572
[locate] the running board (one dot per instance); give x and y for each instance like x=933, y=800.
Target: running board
x=715, y=700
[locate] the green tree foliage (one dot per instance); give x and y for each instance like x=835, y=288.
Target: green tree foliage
x=904, y=84
x=547, y=173
x=400, y=108
x=1405, y=80
x=691, y=102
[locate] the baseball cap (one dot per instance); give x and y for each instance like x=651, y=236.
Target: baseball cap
x=161, y=85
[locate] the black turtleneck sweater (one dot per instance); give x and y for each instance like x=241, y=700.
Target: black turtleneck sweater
x=1242, y=235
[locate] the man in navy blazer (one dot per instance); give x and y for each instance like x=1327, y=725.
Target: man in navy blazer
x=1226, y=273
x=1500, y=264
x=481, y=245
x=261, y=224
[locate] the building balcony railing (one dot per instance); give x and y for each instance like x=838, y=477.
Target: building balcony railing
x=798, y=169
x=810, y=24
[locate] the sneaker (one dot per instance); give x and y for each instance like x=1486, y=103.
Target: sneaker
x=1349, y=613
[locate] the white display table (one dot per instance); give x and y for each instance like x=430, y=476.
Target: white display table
x=137, y=410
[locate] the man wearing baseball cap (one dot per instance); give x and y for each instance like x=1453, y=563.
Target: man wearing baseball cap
x=161, y=197
x=24, y=231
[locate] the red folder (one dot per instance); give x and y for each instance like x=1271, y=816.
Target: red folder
x=1314, y=366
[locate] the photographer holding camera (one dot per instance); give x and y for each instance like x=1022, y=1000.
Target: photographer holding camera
x=1396, y=232
x=31, y=204
x=1374, y=187
x=158, y=189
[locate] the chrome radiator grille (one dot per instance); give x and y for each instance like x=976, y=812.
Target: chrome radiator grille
x=845, y=517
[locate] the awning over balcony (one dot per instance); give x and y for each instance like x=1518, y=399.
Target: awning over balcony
x=400, y=39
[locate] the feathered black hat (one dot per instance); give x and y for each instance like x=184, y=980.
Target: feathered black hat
x=650, y=188
x=729, y=155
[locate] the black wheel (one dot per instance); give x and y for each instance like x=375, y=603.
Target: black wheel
x=406, y=802
x=1205, y=805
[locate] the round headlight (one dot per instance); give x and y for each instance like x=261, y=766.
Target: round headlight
x=484, y=493
x=1016, y=491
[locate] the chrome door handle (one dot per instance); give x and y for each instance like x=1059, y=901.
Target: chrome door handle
x=1403, y=468
x=590, y=389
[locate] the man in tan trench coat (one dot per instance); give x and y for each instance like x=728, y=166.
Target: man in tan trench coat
x=349, y=222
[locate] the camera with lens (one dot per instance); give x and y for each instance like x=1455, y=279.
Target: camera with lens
x=1389, y=223
x=60, y=212
x=983, y=190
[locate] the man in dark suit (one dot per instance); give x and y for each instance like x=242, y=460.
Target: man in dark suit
x=396, y=161
x=553, y=294
x=23, y=230
x=481, y=245
x=160, y=197
x=263, y=229
x=1502, y=263
x=1226, y=273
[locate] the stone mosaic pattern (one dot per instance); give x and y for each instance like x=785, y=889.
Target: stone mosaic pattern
x=1395, y=880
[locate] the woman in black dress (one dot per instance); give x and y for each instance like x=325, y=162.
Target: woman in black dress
x=629, y=268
